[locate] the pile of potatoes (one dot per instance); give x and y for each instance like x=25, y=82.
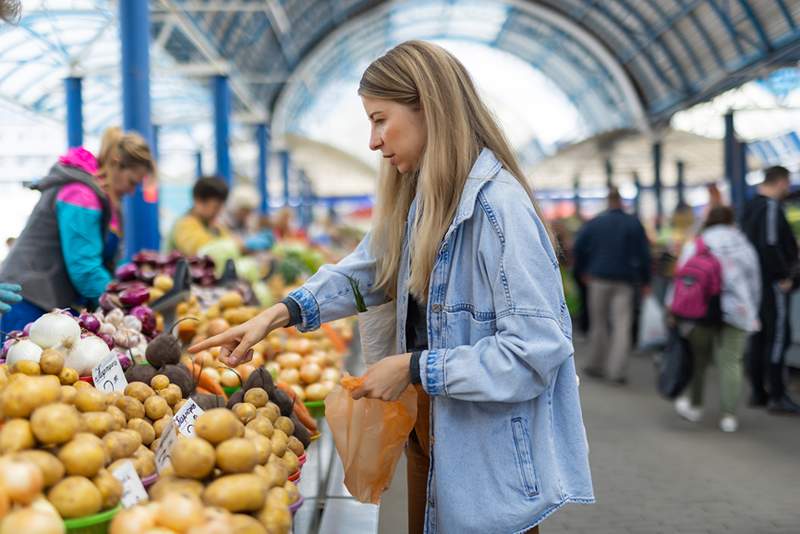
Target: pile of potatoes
x=240, y=460
x=228, y=311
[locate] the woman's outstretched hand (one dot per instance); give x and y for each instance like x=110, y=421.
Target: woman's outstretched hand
x=236, y=342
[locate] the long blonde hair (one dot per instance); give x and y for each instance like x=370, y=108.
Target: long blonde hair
x=123, y=150
x=459, y=126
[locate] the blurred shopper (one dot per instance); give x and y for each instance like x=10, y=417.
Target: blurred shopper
x=10, y=10
x=242, y=221
x=612, y=256
x=723, y=339
x=67, y=250
x=483, y=332
x=199, y=226
x=766, y=226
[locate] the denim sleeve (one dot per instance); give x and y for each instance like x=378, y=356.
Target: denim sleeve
x=533, y=329
x=82, y=247
x=328, y=296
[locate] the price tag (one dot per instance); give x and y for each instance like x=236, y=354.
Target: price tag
x=168, y=439
x=186, y=417
x=133, y=491
x=108, y=376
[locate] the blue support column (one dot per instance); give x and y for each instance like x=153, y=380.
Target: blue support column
x=609, y=173
x=576, y=194
x=734, y=173
x=74, y=92
x=680, y=188
x=222, y=118
x=637, y=183
x=198, y=163
x=657, y=183
x=285, y=164
x=140, y=215
x=747, y=190
x=262, y=138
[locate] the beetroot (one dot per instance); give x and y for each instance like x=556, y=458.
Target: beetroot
x=165, y=349
x=140, y=373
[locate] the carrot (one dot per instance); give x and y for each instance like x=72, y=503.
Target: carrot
x=204, y=381
x=336, y=339
x=202, y=391
x=299, y=408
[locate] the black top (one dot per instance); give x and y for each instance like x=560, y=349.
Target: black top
x=765, y=224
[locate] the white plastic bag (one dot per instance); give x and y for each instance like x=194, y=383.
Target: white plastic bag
x=652, y=324
x=378, y=330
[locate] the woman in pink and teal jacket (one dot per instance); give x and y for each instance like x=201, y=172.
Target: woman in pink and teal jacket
x=65, y=255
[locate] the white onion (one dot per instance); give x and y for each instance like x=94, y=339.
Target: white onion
x=55, y=330
x=132, y=323
x=24, y=349
x=107, y=328
x=86, y=355
x=115, y=317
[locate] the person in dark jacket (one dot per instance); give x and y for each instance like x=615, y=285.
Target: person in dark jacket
x=612, y=256
x=765, y=224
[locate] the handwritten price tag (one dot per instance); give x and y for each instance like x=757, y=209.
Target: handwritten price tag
x=133, y=491
x=108, y=376
x=168, y=439
x=186, y=417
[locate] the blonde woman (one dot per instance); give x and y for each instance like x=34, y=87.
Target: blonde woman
x=460, y=247
x=66, y=253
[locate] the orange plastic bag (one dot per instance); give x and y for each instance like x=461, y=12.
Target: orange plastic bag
x=370, y=435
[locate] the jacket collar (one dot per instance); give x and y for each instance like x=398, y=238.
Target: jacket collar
x=484, y=169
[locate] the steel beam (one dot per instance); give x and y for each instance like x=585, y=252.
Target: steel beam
x=262, y=139
x=74, y=93
x=198, y=163
x=285, y=168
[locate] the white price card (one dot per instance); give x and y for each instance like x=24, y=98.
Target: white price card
x=133, y=491
x=168, y=439
x=186, y=417
x=108, y=376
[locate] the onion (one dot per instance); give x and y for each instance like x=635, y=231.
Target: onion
x=132, y=323
x=126, y=338
x=108, y=339
x=89, y=322
x=134, y=296
x=124, y=359
x=105, y=302
x=22, y=480
x=23, y=349
x=146, y=317
x=55, y=330
x=126, y=272
x=27, y=329
x=115, y=317
x=108, y=329
x=86, y=354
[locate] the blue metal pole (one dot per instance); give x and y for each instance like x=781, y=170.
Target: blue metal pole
x=680, y=182
x=74, y=92
x=262, y=138
x=733, y=173
x=576, y=194
x=609, y=173
x=285, y=172
x=140, y=216
x=198, y=163
x=657, y=182
x=222, y=118
x=638, y=185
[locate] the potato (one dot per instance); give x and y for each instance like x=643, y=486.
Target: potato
x=120, y=421
x=237, y=493
x=217, y=425
x=262, y=426
x=139, y=391
x=172, y=395
x=291, y=461
x=144, y=429
x=68, y=394
x=55, y=423
x=145, y=465
x=51, y=362
x=193, y=458
x=156, y=407
x=91, y=400
x=277, y=520
x=161, y=425
x=98, y=423
x=271, y=411
x=178, y=405
x=75, y=497
x=27, y=393
x=167, y=485
x=68, y=376
x=132, y=408
x=51, y=468
x=80, y=384
x=245, y=411
x=82, y=458
x=279, y=443
x=263, y=446
x=257, y=397
x=16, y=435
x=121, y=444
x=285, y=424
x=110, y=489
x=237, y=455
x=276, y=473
x=27, y=367
x=295, y=446
x=245, y=524
x=159, y=382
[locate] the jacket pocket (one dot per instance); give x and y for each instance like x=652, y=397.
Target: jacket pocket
x=522, y=448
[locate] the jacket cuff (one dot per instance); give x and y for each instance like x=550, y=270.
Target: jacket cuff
x=431, y=367
x=309, y=309
x=295, y=316
x=414, y=367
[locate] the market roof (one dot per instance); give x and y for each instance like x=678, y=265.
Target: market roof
x=623, y=63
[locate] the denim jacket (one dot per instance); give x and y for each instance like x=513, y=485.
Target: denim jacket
x=508, y=445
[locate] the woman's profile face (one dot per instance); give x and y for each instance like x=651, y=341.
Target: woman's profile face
x=398, y=131
x=125, y=180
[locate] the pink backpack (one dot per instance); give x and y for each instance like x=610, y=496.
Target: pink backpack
x=698, y=284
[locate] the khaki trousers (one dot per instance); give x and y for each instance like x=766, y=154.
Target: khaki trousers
x=611, y=321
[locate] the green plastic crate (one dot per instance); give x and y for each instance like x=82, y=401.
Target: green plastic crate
x=92, y=524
